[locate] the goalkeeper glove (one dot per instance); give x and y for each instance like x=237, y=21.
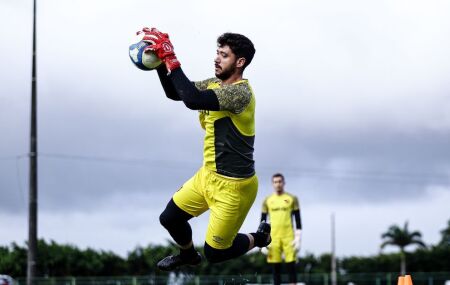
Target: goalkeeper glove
x=162, y=46
x=297, y=239
x=264, y=250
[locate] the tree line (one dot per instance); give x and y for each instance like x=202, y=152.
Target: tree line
x=55, y=260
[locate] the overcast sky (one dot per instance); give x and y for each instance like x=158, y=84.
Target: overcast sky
x=353, y=106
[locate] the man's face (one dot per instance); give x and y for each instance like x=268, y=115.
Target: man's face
x=225, y=62
x=278, y=184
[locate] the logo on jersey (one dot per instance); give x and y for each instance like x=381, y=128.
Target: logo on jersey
x=279, y=209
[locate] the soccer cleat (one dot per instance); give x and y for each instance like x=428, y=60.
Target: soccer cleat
x=264, y=230
x=172, y=262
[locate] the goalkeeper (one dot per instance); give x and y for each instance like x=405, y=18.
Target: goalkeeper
x=280, y=207
x=226, y=184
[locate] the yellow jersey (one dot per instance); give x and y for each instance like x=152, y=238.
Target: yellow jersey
x=229, y=132
x=279, y=209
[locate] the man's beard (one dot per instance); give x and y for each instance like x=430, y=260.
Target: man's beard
x=225, y=74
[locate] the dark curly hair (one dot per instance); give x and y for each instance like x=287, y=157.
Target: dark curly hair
x=239, y=44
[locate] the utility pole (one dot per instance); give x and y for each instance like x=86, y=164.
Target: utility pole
x=333, y=252
x=32, y=199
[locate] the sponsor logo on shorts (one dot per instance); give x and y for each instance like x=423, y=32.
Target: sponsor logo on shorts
x=217, y=239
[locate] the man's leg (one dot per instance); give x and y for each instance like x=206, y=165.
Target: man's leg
x=274, y=258
x=290, y=266
x=276, y=273
x=241, y=244
x=176, y=223
x=290, y=257
x=186, y=203
x=229, y=201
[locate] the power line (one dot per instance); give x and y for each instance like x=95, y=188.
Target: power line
x=120, y=160
x=381, y=176
x=367, y=175
x=296, y=170
x=13, y=157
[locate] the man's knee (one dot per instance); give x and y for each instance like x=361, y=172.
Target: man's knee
x=173, y=215
x=165, y=219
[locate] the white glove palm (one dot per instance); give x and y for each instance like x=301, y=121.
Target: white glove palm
x=297, y=240
x=264, y=250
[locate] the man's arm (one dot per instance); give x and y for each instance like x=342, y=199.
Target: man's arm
x=167, y=85
x=263, y=217
x=298, y=220
x=296, y=213
x=264, y=211
x=193, y=98
x=298, y=223
x=176, y=85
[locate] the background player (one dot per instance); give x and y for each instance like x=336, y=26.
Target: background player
x=280, y=207
x=226, y=183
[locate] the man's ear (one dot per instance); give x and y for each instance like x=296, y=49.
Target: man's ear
x=240, y=62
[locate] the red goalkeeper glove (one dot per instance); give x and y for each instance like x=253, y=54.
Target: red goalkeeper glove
x=160, y=44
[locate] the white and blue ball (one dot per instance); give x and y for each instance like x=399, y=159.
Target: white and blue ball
x=143, y=60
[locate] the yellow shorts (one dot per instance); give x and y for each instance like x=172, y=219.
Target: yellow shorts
x=228, y=199
x=279, y=247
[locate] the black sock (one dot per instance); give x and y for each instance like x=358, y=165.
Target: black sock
x=291, y=271
x=239, y=247
x=276, y=271
x=260, y=239
x=188, y=254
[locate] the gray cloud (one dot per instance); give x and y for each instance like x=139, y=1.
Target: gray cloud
x=352, y=102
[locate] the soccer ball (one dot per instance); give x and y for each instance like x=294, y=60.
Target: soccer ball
x=143, y=60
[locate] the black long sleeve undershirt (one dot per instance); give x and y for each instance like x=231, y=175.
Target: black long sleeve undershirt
x=178, y=87
x=296, y=213
x=166, y=83
x=298, y=220
x=263, y=217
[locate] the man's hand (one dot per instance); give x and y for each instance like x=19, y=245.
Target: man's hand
x=297, y=240
x=264, y=250
x=160, y=44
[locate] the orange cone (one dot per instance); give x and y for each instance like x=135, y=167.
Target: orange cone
x=401, y=280
x=408, y=280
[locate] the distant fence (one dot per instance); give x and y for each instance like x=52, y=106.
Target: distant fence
x=419, y=278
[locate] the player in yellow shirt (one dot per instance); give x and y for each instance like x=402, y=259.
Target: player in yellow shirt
x=226, y=184
x=280, y=208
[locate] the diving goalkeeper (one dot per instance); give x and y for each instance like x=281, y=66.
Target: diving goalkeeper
x=226, y=184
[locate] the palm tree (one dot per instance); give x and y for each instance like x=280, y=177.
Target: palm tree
x=446, y=235
x=402, y=238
